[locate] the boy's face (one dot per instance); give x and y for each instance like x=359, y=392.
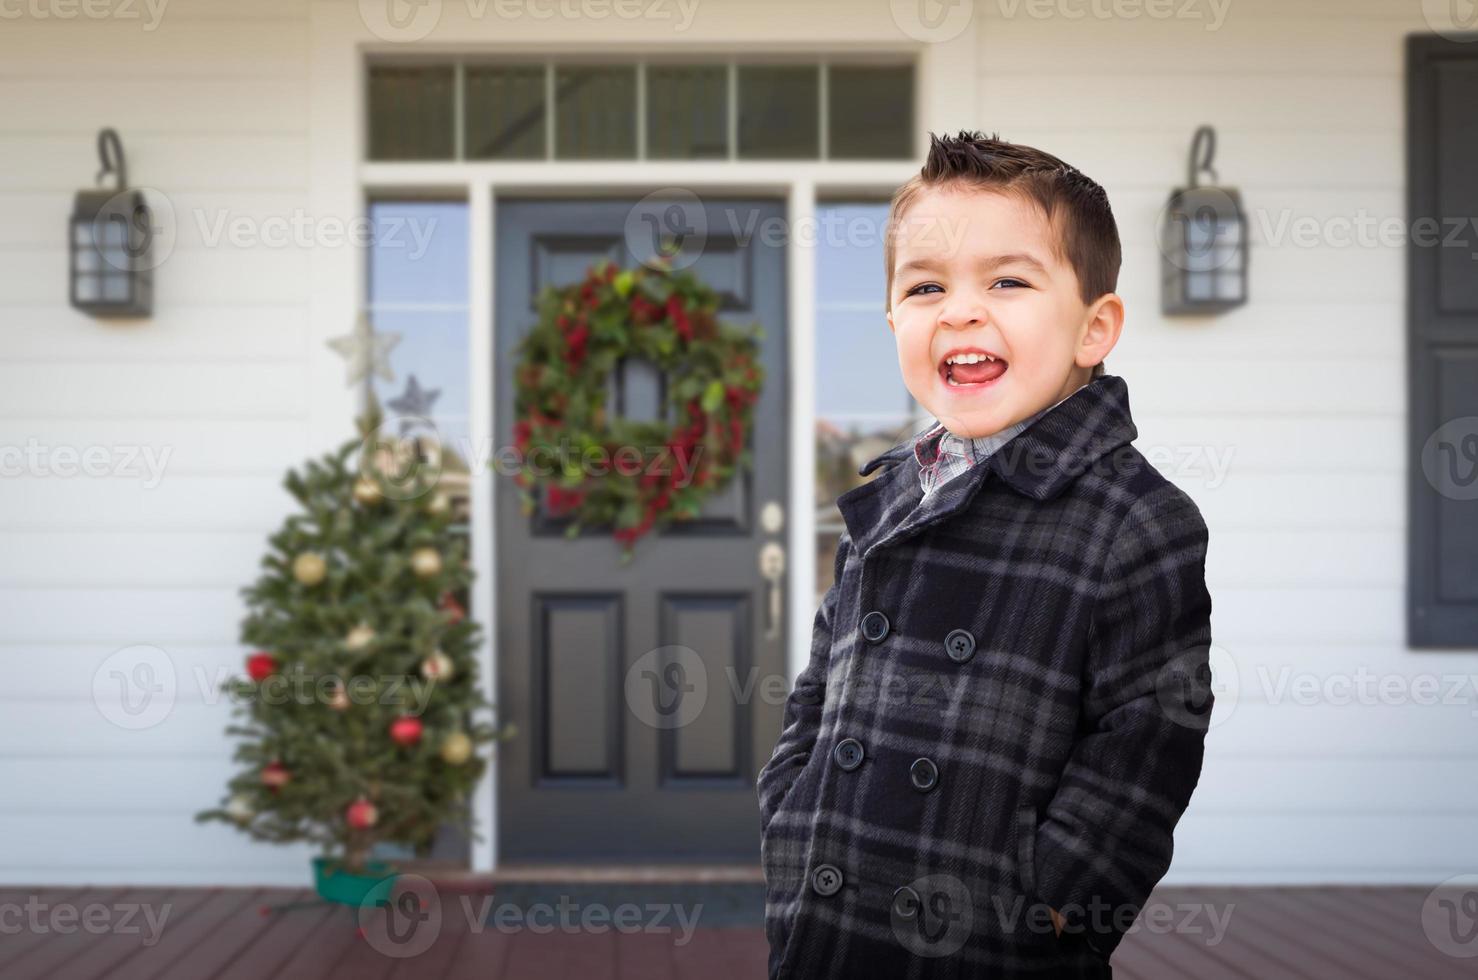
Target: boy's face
x=976, y=272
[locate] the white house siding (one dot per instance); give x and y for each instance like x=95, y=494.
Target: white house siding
x=1304, y=388
x=212, y=103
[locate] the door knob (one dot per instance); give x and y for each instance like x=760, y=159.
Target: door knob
x=772, y=569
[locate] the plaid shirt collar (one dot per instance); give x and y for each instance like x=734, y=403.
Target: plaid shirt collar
x=943, y=455
x=1039, y=463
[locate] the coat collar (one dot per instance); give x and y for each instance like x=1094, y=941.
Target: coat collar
x=1039, y=463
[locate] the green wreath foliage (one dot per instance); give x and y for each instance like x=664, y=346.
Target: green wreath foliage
x=635, y=476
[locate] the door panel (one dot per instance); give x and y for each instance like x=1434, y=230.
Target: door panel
x=1442, y=134
x=638, y=690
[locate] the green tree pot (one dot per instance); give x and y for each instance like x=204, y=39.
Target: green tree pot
x=334, y=884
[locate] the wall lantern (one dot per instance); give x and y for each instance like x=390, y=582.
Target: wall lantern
x=111, y=236
x=1203, y=241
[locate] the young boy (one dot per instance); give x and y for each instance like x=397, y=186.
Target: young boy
x=1002, y=719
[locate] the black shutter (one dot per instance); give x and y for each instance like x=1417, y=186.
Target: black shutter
x=1442, y=332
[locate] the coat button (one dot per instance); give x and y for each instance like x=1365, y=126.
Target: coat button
x=848, y=754
x=826, y=879
x=960, y=646
x=874, y=626
x=924, y=774
x=906, y=904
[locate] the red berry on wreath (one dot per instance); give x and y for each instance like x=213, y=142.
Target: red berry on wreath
x=261, y=666
x=405, y=731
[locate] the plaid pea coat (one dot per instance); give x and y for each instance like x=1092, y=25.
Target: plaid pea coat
x=1003, y=712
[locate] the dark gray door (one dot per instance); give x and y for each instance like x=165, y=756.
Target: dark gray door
x=1442, y=152
x=640, y=691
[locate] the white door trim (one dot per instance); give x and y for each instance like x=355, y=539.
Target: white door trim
x=340, y=183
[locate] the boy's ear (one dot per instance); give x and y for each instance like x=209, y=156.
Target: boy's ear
x=891, y=328
x=1101, y=330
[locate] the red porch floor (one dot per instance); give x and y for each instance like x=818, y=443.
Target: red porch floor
x=221, y=933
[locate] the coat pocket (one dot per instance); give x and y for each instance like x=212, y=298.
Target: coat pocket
x=1026, y=850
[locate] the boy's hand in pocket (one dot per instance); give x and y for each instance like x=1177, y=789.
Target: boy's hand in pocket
x=1056, y=921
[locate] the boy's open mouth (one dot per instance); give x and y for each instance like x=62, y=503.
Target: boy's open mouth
x=971, y=367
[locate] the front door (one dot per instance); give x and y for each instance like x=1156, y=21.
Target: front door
x=644, y=694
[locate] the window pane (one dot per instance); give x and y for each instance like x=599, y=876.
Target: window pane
x=778, y=113
x=432, y=350
x=505, y=113
x=862, y=405
x=870, y=112
x=419, y=252
x=410, y=113
x=418, y=289
x=595, y=113
x=687, y=112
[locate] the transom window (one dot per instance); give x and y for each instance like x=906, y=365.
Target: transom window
x=647, y=109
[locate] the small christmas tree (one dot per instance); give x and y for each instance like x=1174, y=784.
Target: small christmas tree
x=362, y=713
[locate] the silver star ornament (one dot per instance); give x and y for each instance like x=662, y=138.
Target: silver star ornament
x=366, y=351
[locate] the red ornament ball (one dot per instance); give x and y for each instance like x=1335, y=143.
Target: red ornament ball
x=261, y=666
x=452, y=608
x=275, y=775
x=361, y=814
x=405, y=731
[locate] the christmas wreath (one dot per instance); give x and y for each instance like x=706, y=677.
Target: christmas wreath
x=632, y=475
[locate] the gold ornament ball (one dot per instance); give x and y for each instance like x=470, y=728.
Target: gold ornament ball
x=439, y=503
x=338, y=698
x=359, y=637
x=367, y=492
x=437, y=667
x=457, y=749
x=426, y=562
x=309, y=568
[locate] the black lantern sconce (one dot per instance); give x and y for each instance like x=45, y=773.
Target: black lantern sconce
x=111, y=236
x=1203, y=241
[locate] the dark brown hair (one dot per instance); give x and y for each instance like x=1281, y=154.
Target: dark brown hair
x=1076, y=207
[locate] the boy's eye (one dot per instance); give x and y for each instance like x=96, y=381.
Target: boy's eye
x=1014, y=283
